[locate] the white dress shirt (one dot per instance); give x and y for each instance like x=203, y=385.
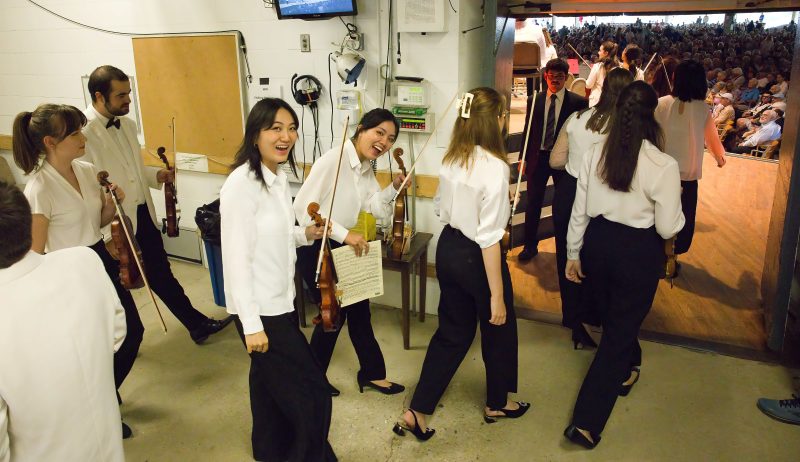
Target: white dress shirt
x=118, y=152
x=474, y=198
x=60, y=323
x=770, y=131
x=580, y=140
x=74, y=218
x=654, y=197
x=357, y=190
x=532, y=33
x=547, y=106
x=258, y=245
x=688, y=127
x=595, y=83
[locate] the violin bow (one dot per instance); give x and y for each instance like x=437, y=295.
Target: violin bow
x=175, y=173
x=422, y=151
x=579, y=55
x=333, y=197
x=649, y=62
x=663, y=66
x=521, y=167
x=104, y=176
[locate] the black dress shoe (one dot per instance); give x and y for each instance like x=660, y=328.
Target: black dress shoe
x=126, y=431
x=573, y=434
x=527, y=254
x=333, y=390
x=208, y=328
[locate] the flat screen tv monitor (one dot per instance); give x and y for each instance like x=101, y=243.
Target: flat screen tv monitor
x=314, y=9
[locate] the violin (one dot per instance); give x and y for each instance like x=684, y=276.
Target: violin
x=399, y=218
x=329, y=308
x=671, y=264
x=169, y=225
x=121, y=226
x=131, y=265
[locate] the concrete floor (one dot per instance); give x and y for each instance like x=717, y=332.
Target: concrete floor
x=187, y=402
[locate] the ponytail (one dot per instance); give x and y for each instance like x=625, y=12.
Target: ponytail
x=25, y=150
x=610, y=61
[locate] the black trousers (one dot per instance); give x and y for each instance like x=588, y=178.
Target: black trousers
x=537, y=176
x=289, y=396
x=574, y=304
x=622, y=267
x=689, y=206
x=463, y=305
x=126, y=355
x=357, y=316
x=159, y=273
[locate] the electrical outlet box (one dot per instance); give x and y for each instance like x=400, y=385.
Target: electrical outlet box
x=355, y=41
x=305, y=42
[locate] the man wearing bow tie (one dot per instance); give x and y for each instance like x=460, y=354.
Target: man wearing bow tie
x=112, y=145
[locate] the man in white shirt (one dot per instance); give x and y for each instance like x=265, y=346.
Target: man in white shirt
x=112, y=145
x=60, y=324
x=723, y=113
x=768, y=131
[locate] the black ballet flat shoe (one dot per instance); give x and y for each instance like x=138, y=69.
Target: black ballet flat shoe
x=573, y=434
x=333, y=390
x=126, y=431
x=392, y=389
x=627, y=388
x=581, y=340
x=507, y=413
x=401, y=427
x=527, y=254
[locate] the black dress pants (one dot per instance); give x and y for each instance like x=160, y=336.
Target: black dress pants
x=289, y=396
x=689, y=207
x=622, y=266
x=574, y=308
x=159, y=274
x=358, y=319
x=537, y=176
x=126, y=355
x=463, y=305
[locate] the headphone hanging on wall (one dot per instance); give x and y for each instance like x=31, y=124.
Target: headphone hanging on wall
x=309, y=95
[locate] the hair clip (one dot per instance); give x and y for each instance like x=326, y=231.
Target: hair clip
x=465, y=104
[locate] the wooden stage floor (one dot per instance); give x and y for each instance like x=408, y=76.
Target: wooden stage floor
x=716, y=299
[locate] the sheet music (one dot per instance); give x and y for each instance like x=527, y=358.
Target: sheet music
x=361, y=277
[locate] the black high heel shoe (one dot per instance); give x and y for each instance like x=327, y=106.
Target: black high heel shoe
x=507, y=413
x=392, y=389
x=627, y=388
x=400, y=429
x=573, y=434
x=581, y=339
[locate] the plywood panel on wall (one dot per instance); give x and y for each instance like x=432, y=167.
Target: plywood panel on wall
x=196, y=80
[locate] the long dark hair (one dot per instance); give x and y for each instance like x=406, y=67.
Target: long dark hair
x=613, y=84
x=610, y=61
x=31, y=128
x=261, y=116
x=633, y=122
x=689, y=81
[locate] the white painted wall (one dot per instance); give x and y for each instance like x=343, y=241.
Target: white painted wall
x=44, y=58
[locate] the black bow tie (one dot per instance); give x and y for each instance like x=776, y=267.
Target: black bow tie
x=113, y=122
